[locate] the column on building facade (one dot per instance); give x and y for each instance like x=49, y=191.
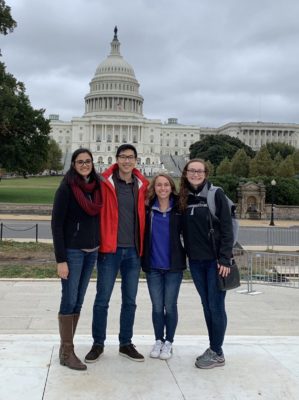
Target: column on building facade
x=129, y=130
x=101, y=129
x=89, y=136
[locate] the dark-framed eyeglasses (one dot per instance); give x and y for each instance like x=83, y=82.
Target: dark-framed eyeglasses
x=122, y=157
x=196, y=171
x=84, y=162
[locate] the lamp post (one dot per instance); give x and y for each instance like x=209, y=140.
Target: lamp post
x=273, y=183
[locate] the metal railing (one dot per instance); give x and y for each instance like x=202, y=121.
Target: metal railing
x=275, y=269
x=4, y=226
x=282, y=237
x=269, y=236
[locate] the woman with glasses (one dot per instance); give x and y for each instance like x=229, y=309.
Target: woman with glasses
x=204, y=264
x=75, y=230
x=163, y=261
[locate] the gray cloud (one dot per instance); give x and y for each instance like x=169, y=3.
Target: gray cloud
x=206, y=62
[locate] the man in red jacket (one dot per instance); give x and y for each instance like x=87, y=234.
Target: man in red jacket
x=122, y=220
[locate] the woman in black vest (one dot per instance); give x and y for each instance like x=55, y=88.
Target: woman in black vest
x=75, y=230
x=204, y=264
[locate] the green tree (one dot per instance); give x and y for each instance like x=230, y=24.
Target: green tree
x=262, y=163
x=295, y=156
x=216, y=147
x=24, y=132
x=286, y=190
x=286, y=168
x=211, y=168
x=224, y=168
x=277, y=159
x=54, y=157
x=229, y=184
x=282, y=148
x=240, y=164
x=7, y=23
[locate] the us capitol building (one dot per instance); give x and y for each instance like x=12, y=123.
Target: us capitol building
x=114, y=115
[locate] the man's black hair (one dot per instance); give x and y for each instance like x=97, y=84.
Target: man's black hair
x=124, y=147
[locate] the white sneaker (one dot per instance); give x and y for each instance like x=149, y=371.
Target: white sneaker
x=166, y=351
x=156, y=350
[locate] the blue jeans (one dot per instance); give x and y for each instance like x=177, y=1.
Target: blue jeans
x=204, y=274
x=164, y=289
x=127, y=262
x=80, y=264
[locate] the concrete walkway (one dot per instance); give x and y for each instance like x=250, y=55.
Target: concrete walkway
x=261, y=348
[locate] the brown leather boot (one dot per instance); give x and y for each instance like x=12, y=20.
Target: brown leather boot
x=75, y=322
x=67, y=355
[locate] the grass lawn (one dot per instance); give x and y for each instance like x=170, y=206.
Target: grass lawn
x=33, y=260
x=34, y=190
x=27, y=260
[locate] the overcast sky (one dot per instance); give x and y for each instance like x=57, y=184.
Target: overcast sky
x=206, y=62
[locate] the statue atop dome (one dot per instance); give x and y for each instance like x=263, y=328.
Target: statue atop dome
x=114, y=87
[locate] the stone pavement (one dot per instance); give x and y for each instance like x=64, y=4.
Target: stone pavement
x=261, y=348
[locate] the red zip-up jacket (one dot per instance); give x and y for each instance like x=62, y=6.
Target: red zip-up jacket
x=109, y=210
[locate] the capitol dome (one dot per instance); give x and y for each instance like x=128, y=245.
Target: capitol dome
x=114, y=87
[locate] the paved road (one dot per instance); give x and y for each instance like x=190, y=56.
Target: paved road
x=26, y=229
x=247, y=235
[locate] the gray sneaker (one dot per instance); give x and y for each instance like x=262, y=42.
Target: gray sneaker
x=210, y=359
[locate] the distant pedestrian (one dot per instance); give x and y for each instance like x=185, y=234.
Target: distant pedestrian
x=122, y=229
x=204, y=264
x=75, y=229
x=163, y=261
